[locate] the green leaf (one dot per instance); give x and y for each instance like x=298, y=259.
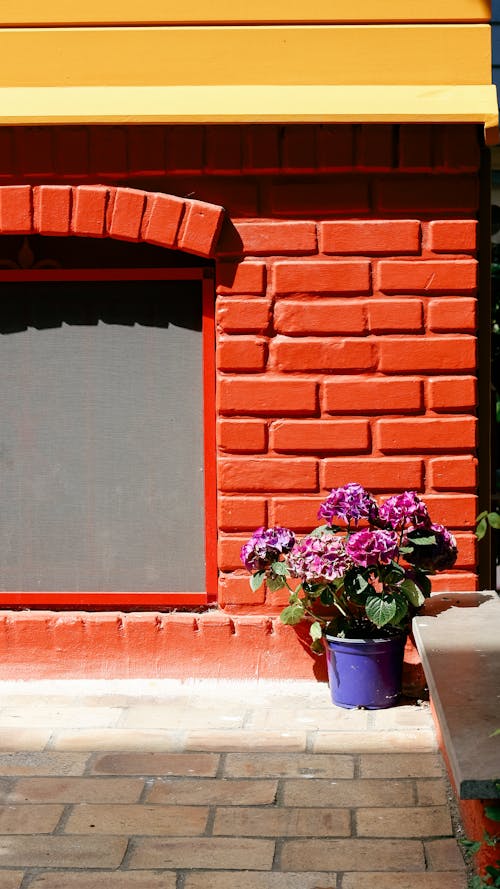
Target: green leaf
x=257, y=580
x=412, y=593
x=481, y=515
x=380, y=609
x=429, y=540
x=423, y=583
x=496, y=732
x=327, y=597
x=481, y=529
x=355, y=583
x=492, y=812
x=471, y=846
x=280, y=568
x=401, y=609
x=317, y=647
x=292, y=614
x=494, y=520
x=275, y=583
x=315, y=631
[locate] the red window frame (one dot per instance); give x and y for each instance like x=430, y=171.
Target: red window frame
x=125, y=599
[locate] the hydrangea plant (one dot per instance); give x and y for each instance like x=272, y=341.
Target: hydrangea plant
x=364, y=573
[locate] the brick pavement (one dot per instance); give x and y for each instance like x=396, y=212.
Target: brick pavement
x=163, y=785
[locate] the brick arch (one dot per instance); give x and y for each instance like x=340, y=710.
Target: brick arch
x=99, y=211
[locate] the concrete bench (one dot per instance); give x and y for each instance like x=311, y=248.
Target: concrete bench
x=458, y=639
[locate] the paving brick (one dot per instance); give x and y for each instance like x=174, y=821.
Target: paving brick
x=200, y=764
x=42, y=763
x=212, y=853
x=11, y=879
x=342, y=854
x=288, y=822
x=245, y=740
x=15, y=739
x=257, y=880
x=151, y=820
x=445, y=880
x=403, y=822
x=29, y=819
x=116, y=740
x=45, y=715
x=443, y=854
x=195, y=717
x=410, y=765
x=276, y=765
x=431, y=792
x=308, y=719
x=104, y=880
x=347, y=793
x=212, y=791
x=58, y=851
x=76, y=790
x=375, y=741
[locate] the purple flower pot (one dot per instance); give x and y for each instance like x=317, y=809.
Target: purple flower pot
x=365, y=672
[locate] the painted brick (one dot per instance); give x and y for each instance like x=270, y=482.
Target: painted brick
x=426, y=434
x=297, y=513
x=162, y=219
x=467, y=550
x=452, y=235
x=71, y=151
x=89, y=211
x=223, y=149
x=184, y=149
x=128, y=209
x=451, y=393
x=245, y=277
x=15, y=209
x=375, y=395
x=326, y=355
x=238, y=196
x=370, y=236
x=228, y=552
x=374, y=473
x=395, y=315
x=146, y=149
x=415, y=146
x=426, y=194
x=295, y=436
x=375, y=147
x=436, y=353
x=320, y=198
x=457, y=582
x=325, y=316
x=200, y=228
x=241, y=513
x=108, y=151
x=261, y=148
x=428, y=276
x=243, y=353
x=298, y=148
x=34, y=151
x=452, y=473
x=450, y=315
x=457, y=147
x=336, y=276
x=335, y=146
x=268, y=474
x=262, y=238
x=272, y=396
x=242, y=436
x=52, y=209
x=243, y=315
x=234, y=589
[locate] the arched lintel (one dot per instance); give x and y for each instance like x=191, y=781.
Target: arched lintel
x=100, y=211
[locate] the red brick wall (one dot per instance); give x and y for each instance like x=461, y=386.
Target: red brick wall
x=346, y=308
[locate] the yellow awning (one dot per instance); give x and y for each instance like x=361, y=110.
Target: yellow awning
x=266, y=103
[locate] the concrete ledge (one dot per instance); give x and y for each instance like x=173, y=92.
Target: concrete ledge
x=458, y=639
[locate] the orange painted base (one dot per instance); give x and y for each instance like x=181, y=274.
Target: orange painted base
x=115, y=645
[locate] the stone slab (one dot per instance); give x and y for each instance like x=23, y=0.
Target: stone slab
x=458, y=639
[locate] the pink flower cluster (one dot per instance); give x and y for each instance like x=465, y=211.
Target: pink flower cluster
x=317, y=558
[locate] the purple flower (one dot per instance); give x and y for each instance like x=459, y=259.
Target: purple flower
x=402, y=508
x=371, y=547
x=265, y=547
x=438, y=556
x=351, y=503
x=317, y=559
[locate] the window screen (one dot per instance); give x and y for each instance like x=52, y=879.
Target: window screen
x=101, y=436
